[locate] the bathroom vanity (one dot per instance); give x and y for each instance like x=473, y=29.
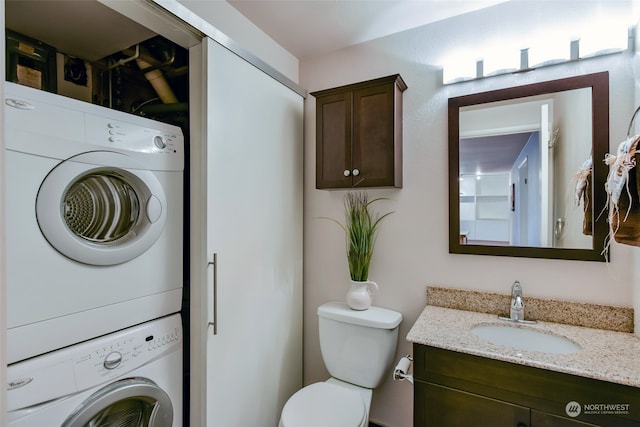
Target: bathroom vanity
x=463, y=379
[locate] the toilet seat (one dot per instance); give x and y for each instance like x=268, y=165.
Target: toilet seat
x=323, y=404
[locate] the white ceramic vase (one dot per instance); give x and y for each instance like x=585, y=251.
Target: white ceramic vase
x=360, y=294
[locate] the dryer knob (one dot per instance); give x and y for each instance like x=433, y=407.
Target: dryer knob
x=112, y=360
x=159, y=142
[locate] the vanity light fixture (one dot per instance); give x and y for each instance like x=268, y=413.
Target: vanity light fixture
x=542, y=54
x=460, y=68
x=602, y=43
x=499, y=62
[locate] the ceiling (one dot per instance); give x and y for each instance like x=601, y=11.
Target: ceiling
x=312, y=28
x=491, y=154
x=305, y=28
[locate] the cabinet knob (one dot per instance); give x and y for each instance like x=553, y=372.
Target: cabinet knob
x=356, y=172
x=346, y=172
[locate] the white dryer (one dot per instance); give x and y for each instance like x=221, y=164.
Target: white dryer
x=94, y=216
x=129, y=378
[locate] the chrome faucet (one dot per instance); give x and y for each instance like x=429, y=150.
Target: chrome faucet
x=517, y=305
x=516, y=312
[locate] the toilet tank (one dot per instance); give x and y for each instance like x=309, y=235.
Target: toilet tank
x=358, y=346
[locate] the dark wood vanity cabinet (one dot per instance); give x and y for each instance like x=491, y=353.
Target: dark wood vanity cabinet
x=359, y=134
x=455, y=389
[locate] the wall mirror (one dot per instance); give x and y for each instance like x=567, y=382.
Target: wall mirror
x=513, y=158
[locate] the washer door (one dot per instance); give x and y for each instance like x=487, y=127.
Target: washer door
x=101, y=208
x=131, y=402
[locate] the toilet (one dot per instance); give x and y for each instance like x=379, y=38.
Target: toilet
x=358, y=349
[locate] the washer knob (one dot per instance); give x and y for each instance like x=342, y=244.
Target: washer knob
x=112, y=360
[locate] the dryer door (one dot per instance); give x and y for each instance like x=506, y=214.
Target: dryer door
x=101, y=208
x=131, y=402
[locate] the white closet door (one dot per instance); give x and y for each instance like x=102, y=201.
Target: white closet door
x=254, y=148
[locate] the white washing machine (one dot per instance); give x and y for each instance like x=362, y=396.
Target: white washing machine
x=129, y=378
x=94, y=219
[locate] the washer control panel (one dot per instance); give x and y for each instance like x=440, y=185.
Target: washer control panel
x=113, y=355
x=91, y=363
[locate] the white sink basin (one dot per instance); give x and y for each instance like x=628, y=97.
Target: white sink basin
x=525, y=338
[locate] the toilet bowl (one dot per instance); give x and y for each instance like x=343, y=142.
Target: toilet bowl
x=330, y=403
x=357, y=348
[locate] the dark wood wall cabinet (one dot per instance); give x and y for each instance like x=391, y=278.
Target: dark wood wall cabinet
x=457, y=389
x=359, y=134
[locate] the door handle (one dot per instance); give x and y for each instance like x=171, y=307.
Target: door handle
x=214, y=262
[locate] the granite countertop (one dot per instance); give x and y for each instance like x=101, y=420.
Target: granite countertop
x=606, y=355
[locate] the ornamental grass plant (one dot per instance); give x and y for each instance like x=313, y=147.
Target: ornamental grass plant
x=361, y=227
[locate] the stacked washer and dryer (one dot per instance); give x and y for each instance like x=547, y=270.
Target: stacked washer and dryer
x=94, y=211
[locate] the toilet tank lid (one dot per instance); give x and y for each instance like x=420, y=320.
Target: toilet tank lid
x=374, y=317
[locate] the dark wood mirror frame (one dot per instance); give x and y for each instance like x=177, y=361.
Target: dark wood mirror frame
x=599, y=84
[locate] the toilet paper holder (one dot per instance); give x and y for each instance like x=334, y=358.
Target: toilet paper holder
x=400, y=372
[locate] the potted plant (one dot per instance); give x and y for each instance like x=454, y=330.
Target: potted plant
x=361, y=228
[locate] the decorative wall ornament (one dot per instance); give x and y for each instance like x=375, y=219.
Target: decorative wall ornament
x=622, y=186
x=582, y=180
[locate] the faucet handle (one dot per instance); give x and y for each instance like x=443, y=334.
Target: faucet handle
x=518, y=303
x=517, y=308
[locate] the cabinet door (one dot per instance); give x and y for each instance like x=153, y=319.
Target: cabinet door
x=333, y=141
x=541, y=419
x=247, y=208
x=440, y=406
x=376, y=139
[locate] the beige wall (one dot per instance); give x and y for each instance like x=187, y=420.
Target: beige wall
x=412, y=249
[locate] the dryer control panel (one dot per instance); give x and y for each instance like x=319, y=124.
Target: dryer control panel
x=67, y=127
x=162, y=143
x=91, y=363
x=118, y=134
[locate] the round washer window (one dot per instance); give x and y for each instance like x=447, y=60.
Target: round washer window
x=130, y=402
x=128, y=413
x=101, y=208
